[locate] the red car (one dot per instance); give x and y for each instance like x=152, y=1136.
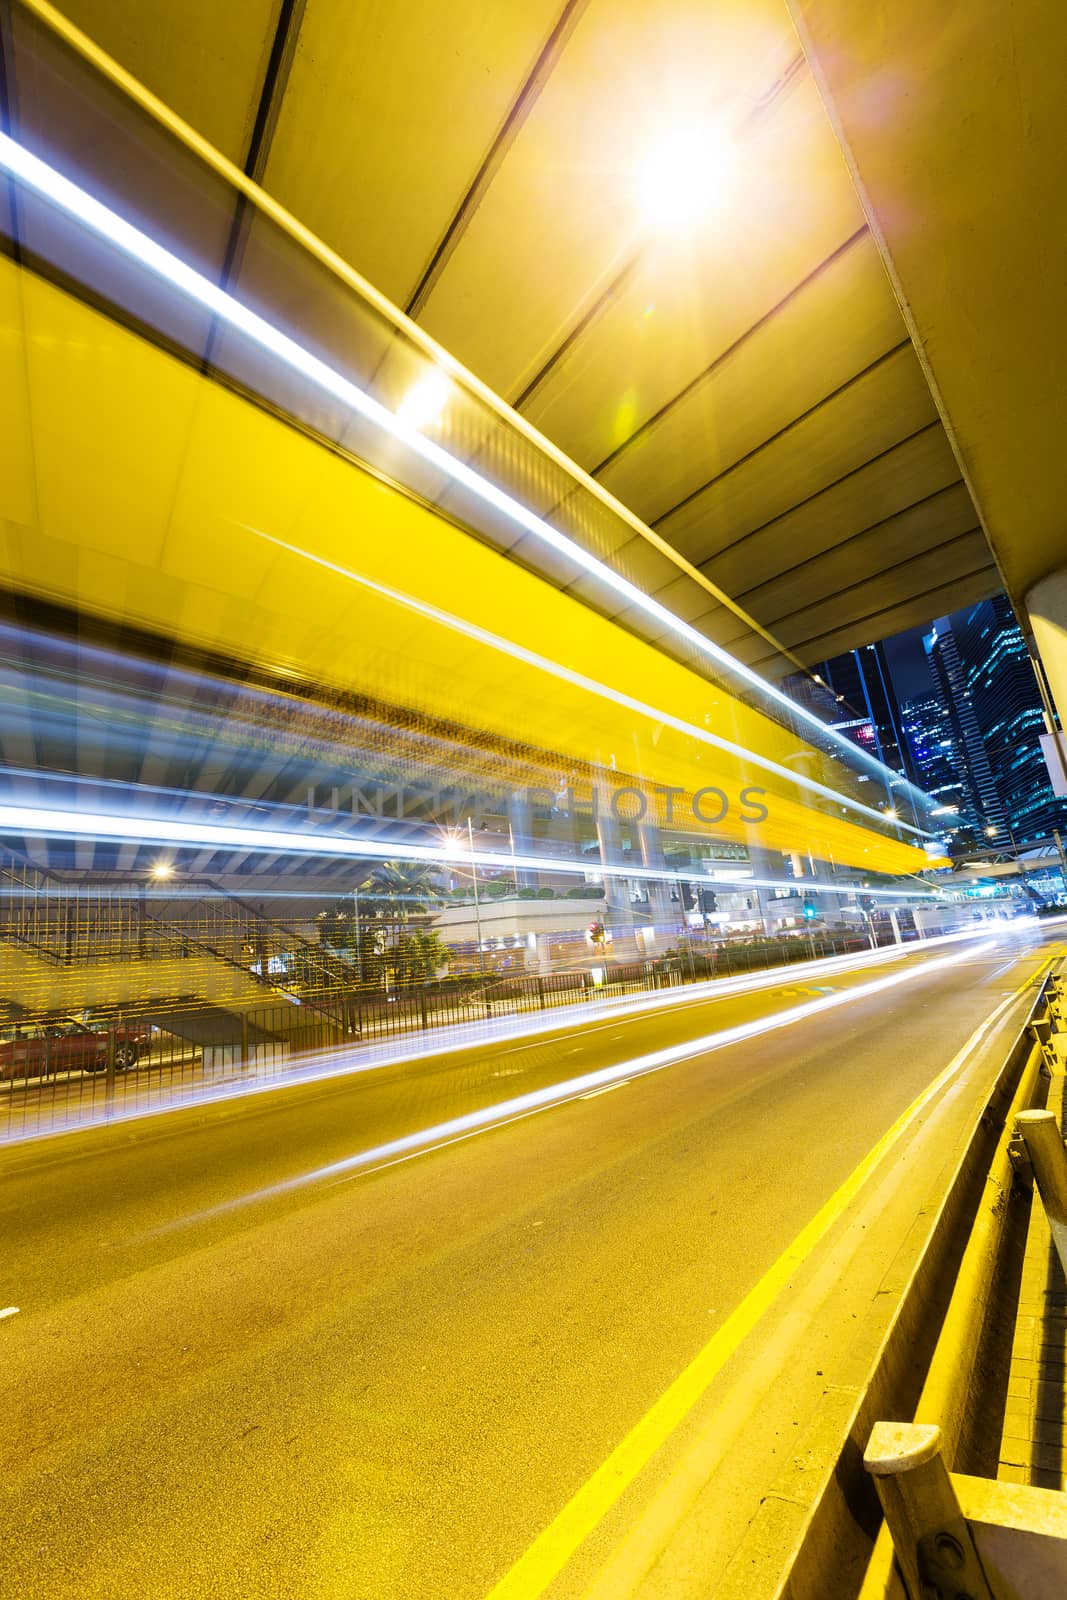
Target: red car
x=33, y=1050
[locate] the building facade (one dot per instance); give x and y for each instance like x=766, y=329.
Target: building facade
x=982, y=806
x=933, y=741
x=1003, y=691
x=870, y=714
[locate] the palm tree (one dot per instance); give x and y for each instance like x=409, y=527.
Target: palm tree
x=397, y=891
x=357, y=940
x=419, y=956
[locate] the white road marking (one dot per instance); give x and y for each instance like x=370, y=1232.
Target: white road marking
x=9, y=1311
x=606, y=1089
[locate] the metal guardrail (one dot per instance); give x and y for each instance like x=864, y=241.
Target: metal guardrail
x=198, y=1046
x=959, y=1537
x=824, y=1542
x=948, y=1533
x=690, y=962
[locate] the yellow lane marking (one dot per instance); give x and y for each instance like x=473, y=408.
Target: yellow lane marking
x=552, y=1549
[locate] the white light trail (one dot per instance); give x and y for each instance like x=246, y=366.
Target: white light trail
x=454, y=1129
x=128, y=828
x=46, y=181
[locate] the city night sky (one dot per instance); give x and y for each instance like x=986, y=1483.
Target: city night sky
x=907, y=663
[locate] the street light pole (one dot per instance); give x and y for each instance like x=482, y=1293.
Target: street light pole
x=359, y=939
x=477, y=903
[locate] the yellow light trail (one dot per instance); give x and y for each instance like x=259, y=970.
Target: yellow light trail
x=38, y=175
x=487, y=1118
x=581, y=680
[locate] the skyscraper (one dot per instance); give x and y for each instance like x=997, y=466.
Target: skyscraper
x=933, y=740
x=983, y=806
x=1002, y=690
x=870, y=711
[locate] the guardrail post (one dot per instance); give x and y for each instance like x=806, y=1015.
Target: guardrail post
x=541, y=993
x=932, y=1540
x=244, y=1041
x=1040, y=1133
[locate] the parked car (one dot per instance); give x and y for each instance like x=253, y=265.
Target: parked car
x=31, y=1050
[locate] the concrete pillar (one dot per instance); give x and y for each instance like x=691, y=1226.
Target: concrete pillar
x=1046, y=604
x=765, y=864
x=660, y=908
x=619, y=915
x=544, y=953
x=609, y=840
x=520, y=823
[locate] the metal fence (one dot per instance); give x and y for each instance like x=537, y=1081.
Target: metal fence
x=66, y=920
x=155, y=1056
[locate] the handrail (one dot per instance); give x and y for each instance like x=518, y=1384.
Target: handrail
x=64, y=921
x=929, y=1343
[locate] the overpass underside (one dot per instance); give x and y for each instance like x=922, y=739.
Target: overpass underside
x=207, y=439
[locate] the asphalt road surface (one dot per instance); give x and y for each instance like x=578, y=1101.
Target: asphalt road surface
x=335, y=1341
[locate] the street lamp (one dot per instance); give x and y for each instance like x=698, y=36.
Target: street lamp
x=455, y=838
x=686, y=177
x=359, y=940
x=477, y=902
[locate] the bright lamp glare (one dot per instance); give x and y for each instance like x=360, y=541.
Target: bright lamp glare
x=684, y=178
x=424, y=403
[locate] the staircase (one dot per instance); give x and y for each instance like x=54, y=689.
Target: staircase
x=196, y=961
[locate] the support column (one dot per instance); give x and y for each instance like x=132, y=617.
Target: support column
x=618, y=912
x=544, y=953
x=1046, y=604
x=520, y=826
x=765, y=864
x=650, y=845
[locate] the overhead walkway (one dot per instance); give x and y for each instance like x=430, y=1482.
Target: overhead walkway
x=235, y=467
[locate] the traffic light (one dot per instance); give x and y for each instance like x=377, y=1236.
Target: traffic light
x=708, y=901
x=810, y=909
